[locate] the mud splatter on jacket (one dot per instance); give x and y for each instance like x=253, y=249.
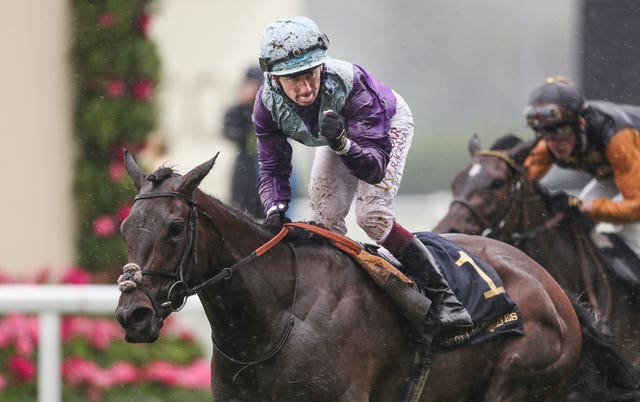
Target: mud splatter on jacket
x=366, y=104
x=610, y=147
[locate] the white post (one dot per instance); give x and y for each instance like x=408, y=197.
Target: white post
x=49, y=377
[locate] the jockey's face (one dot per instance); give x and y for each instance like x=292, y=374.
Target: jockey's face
x=561, y=142
x=302, y=88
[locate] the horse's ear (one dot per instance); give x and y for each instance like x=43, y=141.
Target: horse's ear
x=133, y=169
x=192, y=179
x=474, y=144
x=520, y=152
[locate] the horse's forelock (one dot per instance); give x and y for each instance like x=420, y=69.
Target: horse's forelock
x=161, y=174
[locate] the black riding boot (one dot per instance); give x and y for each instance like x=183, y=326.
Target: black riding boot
x=446, y=311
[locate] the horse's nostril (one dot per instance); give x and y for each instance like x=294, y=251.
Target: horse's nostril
x=140, y=315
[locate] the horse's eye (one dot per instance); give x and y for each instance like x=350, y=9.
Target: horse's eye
x=175, y=229
x=497, y=184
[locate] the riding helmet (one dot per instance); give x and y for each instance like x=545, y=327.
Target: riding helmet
x=292, y=45
x=555, y=103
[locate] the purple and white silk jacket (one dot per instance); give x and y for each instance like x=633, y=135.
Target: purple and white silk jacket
x=366, y=104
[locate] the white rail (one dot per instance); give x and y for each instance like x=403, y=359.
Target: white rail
x=50, y=301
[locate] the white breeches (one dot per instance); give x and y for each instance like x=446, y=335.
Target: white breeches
x=332, y=188
x=628, y=232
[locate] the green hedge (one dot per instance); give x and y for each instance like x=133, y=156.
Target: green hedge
x=115, y=71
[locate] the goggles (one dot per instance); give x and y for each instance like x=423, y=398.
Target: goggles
x=266, y=63
x=549, y=114
x=556, y=133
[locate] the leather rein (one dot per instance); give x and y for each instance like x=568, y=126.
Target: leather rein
x=179, y=291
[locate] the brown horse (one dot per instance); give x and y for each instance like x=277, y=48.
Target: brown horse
x=493, y=196
x=302, y=322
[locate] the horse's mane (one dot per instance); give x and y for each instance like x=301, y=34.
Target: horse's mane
x=506, y=142
x=297, y=236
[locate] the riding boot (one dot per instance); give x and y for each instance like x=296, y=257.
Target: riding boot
x=446, y=311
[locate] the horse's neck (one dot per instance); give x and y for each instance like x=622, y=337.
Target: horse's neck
x=549, y=241
x=254, y=300
x=523, y=214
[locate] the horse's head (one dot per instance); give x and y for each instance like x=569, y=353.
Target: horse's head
x=484, y=189
x=160, y=233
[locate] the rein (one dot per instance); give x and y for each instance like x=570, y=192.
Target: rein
x=602, y=309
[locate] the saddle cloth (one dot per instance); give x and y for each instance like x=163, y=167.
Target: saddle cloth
x=479, y=289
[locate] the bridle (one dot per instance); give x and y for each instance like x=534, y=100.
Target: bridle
x=179, y=291
x=493, y=229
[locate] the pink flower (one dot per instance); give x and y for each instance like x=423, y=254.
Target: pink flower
x=4, y=278
x=142, y=90
x=99, y=331
x=123, y=373
x=197, y=375
x=161, y=371
x=21, y=368
x=78, y=371
x=25, y=345
x=21, y=330
x=76, y=276
x=75, y=326
x=143, y=24
x=116, y=170
x=103, y=332
x=123, y=212
x=106, y=19
x=43, y=276
x=104, y=226
x=115, y=88
x=3, y=383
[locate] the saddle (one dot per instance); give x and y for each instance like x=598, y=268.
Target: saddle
x=388, y=277
x=617, y=255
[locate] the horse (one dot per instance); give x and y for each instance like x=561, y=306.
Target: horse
x=493, y=196
x=299, y=320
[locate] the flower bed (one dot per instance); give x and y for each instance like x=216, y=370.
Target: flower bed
x=98, y=365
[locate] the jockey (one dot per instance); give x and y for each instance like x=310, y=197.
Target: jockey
x=362, y=132
x=597, y=137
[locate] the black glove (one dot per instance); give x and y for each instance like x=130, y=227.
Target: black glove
x=276, y=218
x=562, y=201
x=332, y=128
